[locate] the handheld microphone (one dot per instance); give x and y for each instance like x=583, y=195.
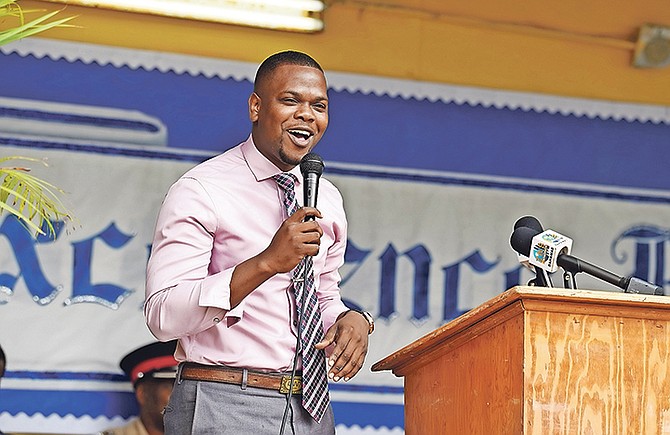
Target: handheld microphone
x=311, y=167
x=553, y=251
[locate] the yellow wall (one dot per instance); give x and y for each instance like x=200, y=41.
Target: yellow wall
x=570, y=47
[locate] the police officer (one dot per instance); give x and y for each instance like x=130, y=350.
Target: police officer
x=152, y=370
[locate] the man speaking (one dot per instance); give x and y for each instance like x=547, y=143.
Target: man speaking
x=247, y=280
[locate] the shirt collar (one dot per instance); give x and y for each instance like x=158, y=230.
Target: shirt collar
x=260, y=166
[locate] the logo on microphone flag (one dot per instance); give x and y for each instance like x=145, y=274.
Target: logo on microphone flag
x=546, y=247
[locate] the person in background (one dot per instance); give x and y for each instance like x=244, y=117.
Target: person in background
x=226, y=273
x=3, y=362
x=152, y=370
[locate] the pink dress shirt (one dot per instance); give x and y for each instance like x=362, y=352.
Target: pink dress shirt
x=217, y=215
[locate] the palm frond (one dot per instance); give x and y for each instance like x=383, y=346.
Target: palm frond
x=35, y=202
x=24, y=29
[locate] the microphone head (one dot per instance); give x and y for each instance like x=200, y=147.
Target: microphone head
x=522, y=238
x=518, y=240
x=312, y=163
x=529, y=222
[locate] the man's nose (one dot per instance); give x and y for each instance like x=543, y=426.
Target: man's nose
x=305, y=112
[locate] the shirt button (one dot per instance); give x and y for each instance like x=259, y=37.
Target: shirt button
x=216, y=320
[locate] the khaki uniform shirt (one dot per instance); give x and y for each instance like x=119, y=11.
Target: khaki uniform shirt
x=134, y=427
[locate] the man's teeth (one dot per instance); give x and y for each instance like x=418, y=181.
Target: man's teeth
x=301, y=133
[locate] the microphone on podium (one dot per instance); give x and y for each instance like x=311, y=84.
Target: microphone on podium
x=542, y=278
x=550, y=250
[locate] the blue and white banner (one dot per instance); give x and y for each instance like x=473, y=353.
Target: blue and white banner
x=433, y=179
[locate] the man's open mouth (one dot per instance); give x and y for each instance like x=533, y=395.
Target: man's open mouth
x=300, y=134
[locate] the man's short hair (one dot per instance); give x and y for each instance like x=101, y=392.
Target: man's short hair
x=288, y=57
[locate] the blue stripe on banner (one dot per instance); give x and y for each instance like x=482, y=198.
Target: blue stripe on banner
x=40, y=115
x=396, y=132
x=506, y=185
x=67, y=376
x=116, y=403
x=361, y=173
x=108, y=150
x=77, y=403
x=369, y=414
x=378, y=389
x=411, y=133
x=121, y=403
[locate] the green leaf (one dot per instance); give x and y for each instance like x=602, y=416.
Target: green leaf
x=24, y=30
x=35, y=202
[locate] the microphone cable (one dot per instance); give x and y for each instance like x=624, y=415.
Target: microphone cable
x=298, y=350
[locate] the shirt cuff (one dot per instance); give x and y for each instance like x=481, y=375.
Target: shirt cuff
x=215, y=290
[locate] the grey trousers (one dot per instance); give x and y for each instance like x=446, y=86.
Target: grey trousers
x=204, y=408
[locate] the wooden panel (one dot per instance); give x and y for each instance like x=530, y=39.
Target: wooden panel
x=530, y=299
x=537, y=361
x=473, y=388
x=454, y=333
x=596, y=374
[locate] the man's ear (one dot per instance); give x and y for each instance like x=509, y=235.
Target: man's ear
x=254, y=106
x=141, y=394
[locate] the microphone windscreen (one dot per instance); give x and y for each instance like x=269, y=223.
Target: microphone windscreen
x=312, y=163
x=529, y=222
x=522, y=239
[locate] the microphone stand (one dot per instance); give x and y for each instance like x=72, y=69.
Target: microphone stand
x=542, y=279
x=569, y=280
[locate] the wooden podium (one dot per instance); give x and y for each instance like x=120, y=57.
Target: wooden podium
x=542, y=361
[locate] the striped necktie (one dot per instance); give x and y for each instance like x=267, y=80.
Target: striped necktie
x=315, y=398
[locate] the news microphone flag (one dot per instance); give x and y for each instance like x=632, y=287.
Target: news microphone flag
x=545, y=249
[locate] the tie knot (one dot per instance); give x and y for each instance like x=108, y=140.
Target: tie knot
x=286, y=181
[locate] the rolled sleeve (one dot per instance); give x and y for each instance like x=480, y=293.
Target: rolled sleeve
x=182, y=297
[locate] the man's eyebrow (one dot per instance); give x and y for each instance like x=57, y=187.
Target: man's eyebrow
x=300, y=94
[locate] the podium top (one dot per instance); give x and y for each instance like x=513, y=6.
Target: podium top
x=522, y=298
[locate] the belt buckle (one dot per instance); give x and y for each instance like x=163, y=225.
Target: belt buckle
x=285, y=385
